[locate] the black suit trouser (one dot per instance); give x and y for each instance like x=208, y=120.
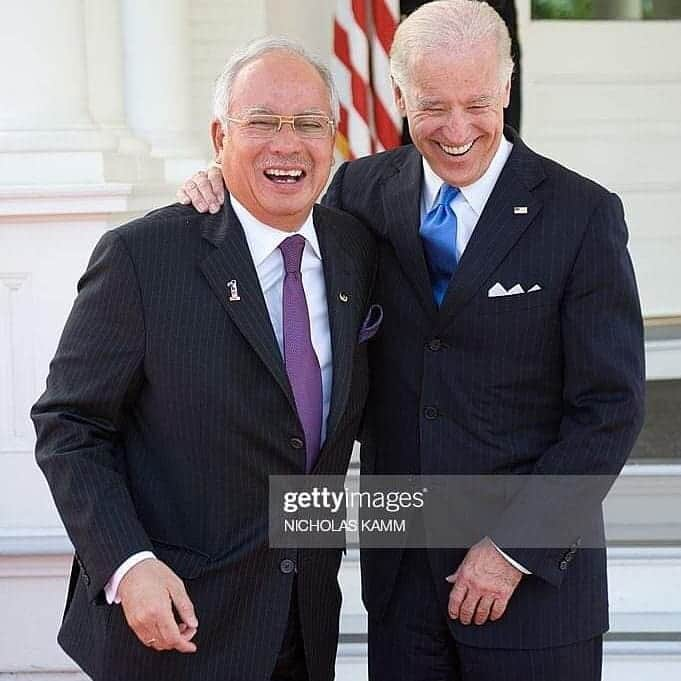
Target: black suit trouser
x=412, y=642
x=290, y=665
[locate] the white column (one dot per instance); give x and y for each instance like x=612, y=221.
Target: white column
x=104, y=55
x=40, y=42
x=62, y=114
x=157, y=68
x=104, y=50
x=44, y=115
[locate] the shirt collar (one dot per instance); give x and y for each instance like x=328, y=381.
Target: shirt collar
x=263, y=240
x=476, y=194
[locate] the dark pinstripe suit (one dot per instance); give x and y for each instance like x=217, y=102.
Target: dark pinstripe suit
x=167, y=407
x=548, y=382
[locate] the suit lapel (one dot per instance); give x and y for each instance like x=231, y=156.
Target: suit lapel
x=344, y=308
x=402, y=201
x=499, y=227
x=231, y=260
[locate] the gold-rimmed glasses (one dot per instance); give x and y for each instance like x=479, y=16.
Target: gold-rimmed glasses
x=261, y=125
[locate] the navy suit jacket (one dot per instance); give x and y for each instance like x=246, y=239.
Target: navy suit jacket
x=548, y=382
x=167, y=409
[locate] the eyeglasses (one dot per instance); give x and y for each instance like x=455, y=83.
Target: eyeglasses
x=307, y=126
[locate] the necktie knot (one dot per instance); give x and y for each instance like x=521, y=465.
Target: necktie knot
x=446, y=195
x=292, y=251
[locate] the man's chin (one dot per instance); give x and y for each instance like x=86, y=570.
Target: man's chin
x=285, y=212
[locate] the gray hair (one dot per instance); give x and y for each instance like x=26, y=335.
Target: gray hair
x=452, y=26
x=256, y=49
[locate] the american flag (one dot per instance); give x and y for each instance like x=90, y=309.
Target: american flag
x=362, y=34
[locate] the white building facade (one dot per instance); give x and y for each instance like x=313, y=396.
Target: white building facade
x=105, y=108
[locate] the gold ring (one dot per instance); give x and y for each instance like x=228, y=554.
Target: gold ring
x=150, y=641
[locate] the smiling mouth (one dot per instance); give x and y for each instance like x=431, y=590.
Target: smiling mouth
x=456, y=151
x=284, y=175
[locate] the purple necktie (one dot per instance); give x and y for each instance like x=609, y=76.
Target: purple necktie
x=302, y=365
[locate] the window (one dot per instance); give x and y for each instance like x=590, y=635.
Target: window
x=606, y=9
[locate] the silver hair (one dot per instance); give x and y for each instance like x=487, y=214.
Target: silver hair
x=256, y=49
x=452, y=26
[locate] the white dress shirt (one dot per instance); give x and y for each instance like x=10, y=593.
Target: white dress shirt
x=263, y=243
x=468, y=205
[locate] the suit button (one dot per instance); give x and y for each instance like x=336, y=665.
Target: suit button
x=435, y=344
x=430, y=413
x=287, y=566
x=563, y=565
x=296, y=443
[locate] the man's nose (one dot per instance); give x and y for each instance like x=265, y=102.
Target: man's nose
x=286, y=138
x=457, y=126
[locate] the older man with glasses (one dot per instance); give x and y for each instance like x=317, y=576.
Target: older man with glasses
x=205, y=353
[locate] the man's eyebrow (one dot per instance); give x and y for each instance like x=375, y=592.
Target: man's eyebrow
x=312, y=112
x=258, y=109
x=428, y=102
x=482, y=100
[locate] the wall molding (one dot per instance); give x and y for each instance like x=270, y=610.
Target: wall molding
x=81, y=199
x=17, y=357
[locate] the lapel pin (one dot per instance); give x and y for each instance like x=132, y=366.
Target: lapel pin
x=519, y=210
x=344, y=297
x=233, y=291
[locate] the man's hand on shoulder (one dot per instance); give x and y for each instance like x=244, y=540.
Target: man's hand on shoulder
x=482, y=585
x=205, y=190
x=148, y=593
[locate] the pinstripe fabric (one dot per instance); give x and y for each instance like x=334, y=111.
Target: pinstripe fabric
x=412, y=642
x=548, y=382
x=167, y=407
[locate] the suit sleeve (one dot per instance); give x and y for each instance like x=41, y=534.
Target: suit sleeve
x=92, y=384
x=603, y=394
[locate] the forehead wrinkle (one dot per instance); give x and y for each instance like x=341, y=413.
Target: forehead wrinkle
x=270, y=112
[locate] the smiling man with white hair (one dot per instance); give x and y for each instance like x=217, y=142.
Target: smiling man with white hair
x=512, y=343
x=203, y=354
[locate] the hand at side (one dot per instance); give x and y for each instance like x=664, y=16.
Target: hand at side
x=482, y=585
x=148, y=593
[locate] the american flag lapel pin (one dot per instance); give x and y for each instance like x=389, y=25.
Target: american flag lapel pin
x=519, y=210
x=233, y=291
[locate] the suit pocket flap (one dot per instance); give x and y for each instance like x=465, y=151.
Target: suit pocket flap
x=185, y=562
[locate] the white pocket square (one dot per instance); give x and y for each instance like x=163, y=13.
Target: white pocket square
x=498, y=290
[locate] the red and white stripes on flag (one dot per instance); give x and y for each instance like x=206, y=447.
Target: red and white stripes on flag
x=362, y=34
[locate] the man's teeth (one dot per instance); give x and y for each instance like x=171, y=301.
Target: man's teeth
x=457, y=151
x=281, y=172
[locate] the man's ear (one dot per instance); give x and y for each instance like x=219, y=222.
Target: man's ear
x=507, y=93
x=398, y=96
x=217, y=135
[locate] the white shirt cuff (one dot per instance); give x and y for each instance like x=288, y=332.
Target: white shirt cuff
x=111, y=587
x=514, y=563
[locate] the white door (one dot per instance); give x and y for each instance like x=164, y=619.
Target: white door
x=604, y=98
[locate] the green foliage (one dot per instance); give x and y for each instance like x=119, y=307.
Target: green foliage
x=561, y=9
x=588, y=9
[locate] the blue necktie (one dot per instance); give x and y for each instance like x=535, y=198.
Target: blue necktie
x=438, y=232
